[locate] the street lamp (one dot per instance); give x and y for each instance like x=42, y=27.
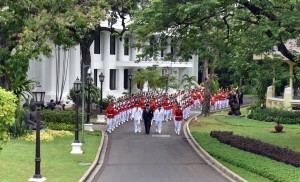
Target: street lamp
x=38, y=94
x=76, y=146
x=101, y=79
x=89, y=82
x=130, y=78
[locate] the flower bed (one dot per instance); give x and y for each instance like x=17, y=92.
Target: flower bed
x=46, y=135
x=255, y=146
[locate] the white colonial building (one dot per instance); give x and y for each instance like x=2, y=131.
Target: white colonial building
x=109, y=56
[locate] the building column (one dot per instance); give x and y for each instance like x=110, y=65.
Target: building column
x=106, y=53
x=120, y=80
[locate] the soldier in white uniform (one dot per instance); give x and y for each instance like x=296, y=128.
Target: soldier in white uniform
x=158, y=118
x=137, y=117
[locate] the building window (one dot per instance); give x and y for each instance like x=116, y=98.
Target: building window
x=126, y=45
x=112, y=79
x=163, y=47
x=97, y=44
x=112, y=45
x=126, y=78
x=95, y=77
x=172, y=47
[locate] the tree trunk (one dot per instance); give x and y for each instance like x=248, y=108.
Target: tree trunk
x=208, y=87
x=85, y=54
x=205, y=70
x=207, y=93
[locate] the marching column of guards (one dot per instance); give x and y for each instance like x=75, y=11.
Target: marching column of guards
x=153, y=108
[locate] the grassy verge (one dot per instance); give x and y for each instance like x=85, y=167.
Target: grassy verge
x=17, y=159
x=250, y=176
x=250, y=166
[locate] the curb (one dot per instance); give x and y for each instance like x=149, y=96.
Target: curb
x=224, y=171
x=91, y=172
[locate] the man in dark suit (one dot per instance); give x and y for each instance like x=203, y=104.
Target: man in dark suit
x=147, y=117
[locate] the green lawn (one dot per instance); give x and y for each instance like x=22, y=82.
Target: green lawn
x=57, y=165
x=244, y=163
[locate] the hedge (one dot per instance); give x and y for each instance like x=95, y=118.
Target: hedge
x=255, y=146
x=263, y=166
x=270, y=115
x=55, y=116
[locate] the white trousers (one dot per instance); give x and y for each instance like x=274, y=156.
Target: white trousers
x=137, y=126
x=110, y=123
x=158, y=126
x=178, y=126
x=197, y=104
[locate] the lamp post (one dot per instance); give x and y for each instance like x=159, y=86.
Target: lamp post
x=101, y=79
x=88, y=126
x=76, y=146
x=89, y=82
x=38, y=94
x=84, y=67
x=130, y=78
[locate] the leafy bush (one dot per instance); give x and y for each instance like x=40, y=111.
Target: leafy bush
x=67, y=116
x=271, y=114
x=255, y=146
x=19, y=127
x=95, y=94
x=8, y=108
x=263, y=166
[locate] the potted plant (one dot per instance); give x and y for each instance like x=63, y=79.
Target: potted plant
x=278, y=127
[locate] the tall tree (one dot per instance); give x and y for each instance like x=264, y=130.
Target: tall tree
x=195, y=27
x=29, y=29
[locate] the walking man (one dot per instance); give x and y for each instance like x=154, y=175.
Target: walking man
x=137, y=117
x=147, y=117
x=158, y=118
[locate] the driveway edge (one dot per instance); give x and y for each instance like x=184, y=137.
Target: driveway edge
x=96, y=165
x=224, y=171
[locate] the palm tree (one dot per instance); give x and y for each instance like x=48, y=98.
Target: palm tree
x=189, y=81
x=153, y=77
x=140, y=77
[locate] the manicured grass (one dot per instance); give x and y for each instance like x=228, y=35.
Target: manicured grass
x=17, y=159
x=245, y=160
x=262, y=166
x=250, y=176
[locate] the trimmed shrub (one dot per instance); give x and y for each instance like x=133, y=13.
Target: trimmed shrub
x=269, y=115
x=62, y=126
x=255, y=146
x=263, y=166
x=67, y=116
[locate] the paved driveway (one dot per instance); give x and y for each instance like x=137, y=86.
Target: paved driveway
x=164, y=157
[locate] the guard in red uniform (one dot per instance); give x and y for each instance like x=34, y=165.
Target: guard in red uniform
x=110, y=114
x=178, y=119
